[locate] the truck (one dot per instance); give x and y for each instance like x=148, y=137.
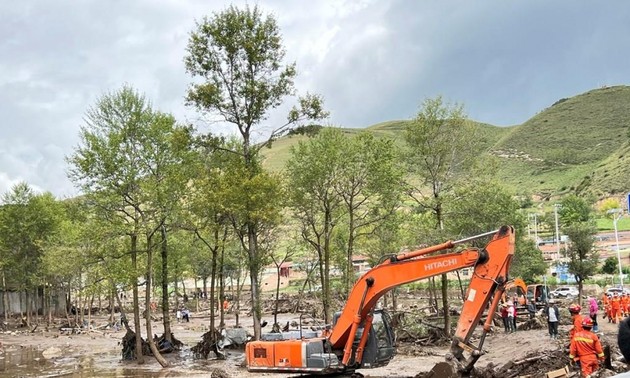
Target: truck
x=362, y=336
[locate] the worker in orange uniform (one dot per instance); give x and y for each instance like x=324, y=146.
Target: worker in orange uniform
x=623, y=308
x=576, y=319
x=609, y=309
x=615, y=306
x=586, y=349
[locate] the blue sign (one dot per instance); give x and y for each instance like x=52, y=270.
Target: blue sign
x=564, y=275
x=628, y=202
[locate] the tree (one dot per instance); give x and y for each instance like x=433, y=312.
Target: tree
x=611, y=266
x=114, y=166
x=370, y=184
x=27, y=222
x=441, y=146
x=583, y=258
x=575, y=218
x=238, y=54
x=481, y=204
x=574, y=209
x=312, y=172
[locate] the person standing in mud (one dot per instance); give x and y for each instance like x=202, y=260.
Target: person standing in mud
x=531, y=309
x=504, y=316
x=553, y=317
x=592, y=312
x=510, y=316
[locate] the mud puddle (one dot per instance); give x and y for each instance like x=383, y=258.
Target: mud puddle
x=36, y=362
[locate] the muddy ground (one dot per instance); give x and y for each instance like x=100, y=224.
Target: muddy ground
x=52, y=353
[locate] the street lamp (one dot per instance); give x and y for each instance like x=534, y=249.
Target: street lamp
x=617, y=214
x=555, y=210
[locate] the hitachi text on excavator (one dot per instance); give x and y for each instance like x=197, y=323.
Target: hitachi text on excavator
x=362, y=336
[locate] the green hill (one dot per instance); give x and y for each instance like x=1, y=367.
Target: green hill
x=578, y=144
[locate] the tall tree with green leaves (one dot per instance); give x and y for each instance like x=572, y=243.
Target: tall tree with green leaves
x=441, y=146
x=370, y=184
x=27, y=222
x=480, y=205
x=111, y=167
x=312, y=173
x=238, y=55
x=577, y=223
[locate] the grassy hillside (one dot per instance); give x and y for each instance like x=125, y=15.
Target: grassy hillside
x=577, y=144
x=559, y=149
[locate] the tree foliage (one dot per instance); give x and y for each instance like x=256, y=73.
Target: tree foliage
x=440, y=144
x=238, y=55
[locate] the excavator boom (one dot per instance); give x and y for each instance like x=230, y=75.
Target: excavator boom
x=361, y=336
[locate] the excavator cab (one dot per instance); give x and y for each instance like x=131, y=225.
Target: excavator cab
x=380, y=347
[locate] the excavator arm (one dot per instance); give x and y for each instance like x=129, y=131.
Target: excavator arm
x=490, y=274
x=318, y=355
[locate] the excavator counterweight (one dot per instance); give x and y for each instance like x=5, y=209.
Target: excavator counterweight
x=362, y=336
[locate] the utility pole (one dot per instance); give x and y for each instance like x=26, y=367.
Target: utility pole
x=555, y=210
x=617, y=214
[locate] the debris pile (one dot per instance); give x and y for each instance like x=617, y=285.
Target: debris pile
x=164, y=346
x=207, y=345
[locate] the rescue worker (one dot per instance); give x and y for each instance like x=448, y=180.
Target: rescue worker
x=576, y=319
x=623, y=300
x=615, y=305
x=586, y=349
x=609, y=308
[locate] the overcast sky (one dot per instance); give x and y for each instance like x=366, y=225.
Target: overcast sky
x=371, y=60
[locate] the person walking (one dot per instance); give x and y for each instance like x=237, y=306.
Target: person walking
x=553, y=317
x=586, y=349
x=593, y=308
x=615, y=305
x=178, y=315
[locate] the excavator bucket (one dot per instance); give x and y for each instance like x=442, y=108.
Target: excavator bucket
x=444, y=370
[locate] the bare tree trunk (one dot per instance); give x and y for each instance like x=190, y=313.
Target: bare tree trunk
x=28, y=307
x=168, y=335
x=112, y=293
x=89, y=324
x=147, y=304
x=175, y=288
x=136, y=304
x=5, y=298
x=447, y=313
x=254, y=270
x=213, y=270
x=221, y=288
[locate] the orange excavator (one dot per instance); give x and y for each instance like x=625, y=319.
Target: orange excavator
x=362, y=337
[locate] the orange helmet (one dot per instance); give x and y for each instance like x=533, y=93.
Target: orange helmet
x=575, y=308
x=587, y=323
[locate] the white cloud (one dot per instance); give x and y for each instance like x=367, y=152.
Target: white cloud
x=371, y=60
